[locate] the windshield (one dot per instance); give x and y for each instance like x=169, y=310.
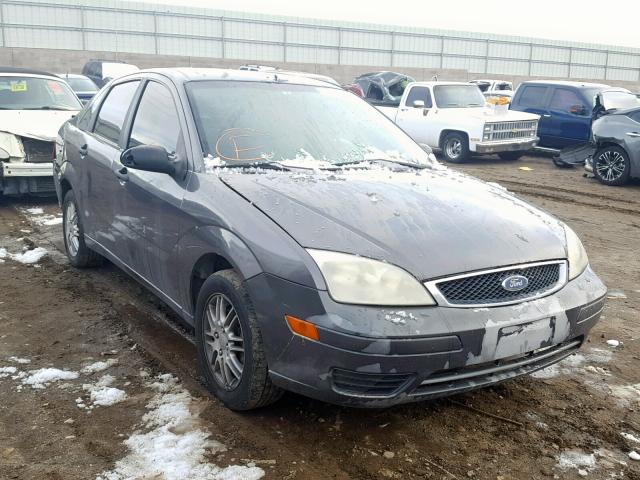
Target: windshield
x=296, y=125
x=34, y=93
x=81, y=84
x=458, y=96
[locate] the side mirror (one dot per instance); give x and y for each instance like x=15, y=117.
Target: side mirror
x=418, y=104
x=4, y=155
x=578, y=109
x=150, y=158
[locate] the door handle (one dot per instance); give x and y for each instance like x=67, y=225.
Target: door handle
x=122, y=174
x=633, y=134
x=83, y=150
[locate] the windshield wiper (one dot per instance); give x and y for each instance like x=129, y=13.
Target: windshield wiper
x=266, y=165
x=385, y=160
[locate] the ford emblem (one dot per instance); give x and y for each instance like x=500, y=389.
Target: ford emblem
x=515, y=283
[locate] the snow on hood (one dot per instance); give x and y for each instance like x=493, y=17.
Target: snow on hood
x=431, y=222
x=38, y=124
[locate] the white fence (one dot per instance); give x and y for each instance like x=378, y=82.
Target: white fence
x=136, y=27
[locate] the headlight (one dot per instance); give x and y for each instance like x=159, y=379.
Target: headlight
x=362, y=281
x=576, y=254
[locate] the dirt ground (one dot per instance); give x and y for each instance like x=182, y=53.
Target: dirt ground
x=566, y=423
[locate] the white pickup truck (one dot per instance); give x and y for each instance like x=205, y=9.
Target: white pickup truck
x=454, y=118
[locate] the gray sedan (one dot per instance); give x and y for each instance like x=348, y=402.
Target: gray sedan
x=312, y=245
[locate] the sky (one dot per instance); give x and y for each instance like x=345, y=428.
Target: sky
x=614, y=22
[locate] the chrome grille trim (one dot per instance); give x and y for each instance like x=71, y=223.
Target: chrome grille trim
x=432, y=285
x=510, y=130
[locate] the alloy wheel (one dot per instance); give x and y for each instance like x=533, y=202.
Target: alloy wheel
x=453, y=148
x=71, y=229
x=610, y=165
x=224, y=342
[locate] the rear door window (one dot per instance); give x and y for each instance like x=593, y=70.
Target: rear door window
x=419, y=93
x=533, y=96
x=156, y=121
x=564, y=99
x=114, y=110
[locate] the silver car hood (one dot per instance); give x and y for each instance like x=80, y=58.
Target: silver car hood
x=431, y=223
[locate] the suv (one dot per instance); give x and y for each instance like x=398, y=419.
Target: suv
x=564, y=108
x=101, y=71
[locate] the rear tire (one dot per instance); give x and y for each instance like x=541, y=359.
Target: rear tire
x=79, y=255
x=611, y=166
x=230, y=349
x=455, y=148
x=511, y=156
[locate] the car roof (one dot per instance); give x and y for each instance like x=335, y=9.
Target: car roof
x=24, y=71
x=565, y=83
x=71, y=75
x=186, y=74
x=434, y=84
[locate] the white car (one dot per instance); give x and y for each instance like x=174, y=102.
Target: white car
x=453, y=117
x=33, y=106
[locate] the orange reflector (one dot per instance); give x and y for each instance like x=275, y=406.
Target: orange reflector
x=302, y=328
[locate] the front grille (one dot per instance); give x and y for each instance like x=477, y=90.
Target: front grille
x=510, y=130
x=360, y=384
x=447, y=382
x=38, y=151
x=486, y=288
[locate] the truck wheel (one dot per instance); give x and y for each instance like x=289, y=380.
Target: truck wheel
x=80, y=256
x=511, y=156
x=455, y=148
x=230, y=349
x=611, y=166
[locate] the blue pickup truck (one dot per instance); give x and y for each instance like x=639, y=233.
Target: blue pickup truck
x=564, y=107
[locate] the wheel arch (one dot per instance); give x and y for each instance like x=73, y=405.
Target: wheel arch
x=205, y=266
x=447, y=131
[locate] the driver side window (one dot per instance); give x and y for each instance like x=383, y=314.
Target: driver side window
x=156, y=121
x=419, y=93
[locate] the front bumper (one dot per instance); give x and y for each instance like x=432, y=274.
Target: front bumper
x=23, y=178
x=506, y=146
x=377, y=357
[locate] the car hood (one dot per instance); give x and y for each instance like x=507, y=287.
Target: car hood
x=38, y=124
x=432, y=223
x=487, y=114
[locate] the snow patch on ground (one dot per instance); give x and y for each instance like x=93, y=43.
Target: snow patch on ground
x=27, y=257
x=578, y=460
x=107, y=396
x=44, y=376
x=99, y=366
x=575, y=364
x=625, y=395
x=172, y=445
x=19, y=360
x=631, y=437
x=614, y=343
x=6, y=371
x=35, y=211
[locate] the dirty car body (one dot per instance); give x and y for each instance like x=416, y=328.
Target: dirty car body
x=417, y=281
x=33, y=106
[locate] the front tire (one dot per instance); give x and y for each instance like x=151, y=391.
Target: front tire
x=455, y=148
x=611, y=166
x=79, y=255
x=230, y=349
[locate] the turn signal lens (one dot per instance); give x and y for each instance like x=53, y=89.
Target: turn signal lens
x=302, y=328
